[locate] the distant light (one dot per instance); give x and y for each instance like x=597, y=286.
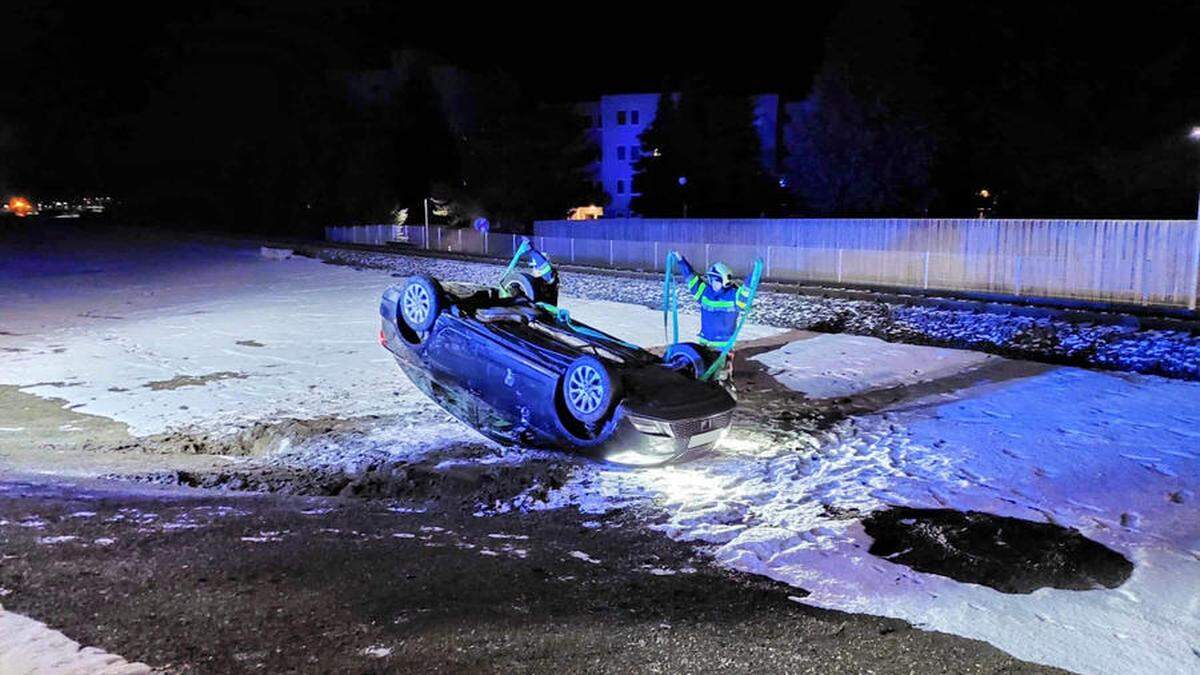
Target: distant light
x=1194, y=134
x=20, y=206
x=589, y=212
x=985, y=193
x=482, y=225
x=683, y=180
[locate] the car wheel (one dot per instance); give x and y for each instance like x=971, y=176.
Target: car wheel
x=588, y=389
x=420, y=303
x=520, y=284
x=686, y=358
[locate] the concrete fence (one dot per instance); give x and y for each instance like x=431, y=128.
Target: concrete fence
x=1148, y=262
x=365, y=234
x=1144, y=262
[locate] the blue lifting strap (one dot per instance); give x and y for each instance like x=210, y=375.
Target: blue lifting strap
x=752, y=285
x=670, y=302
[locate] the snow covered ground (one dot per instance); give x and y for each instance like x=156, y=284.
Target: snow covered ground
x=28, y=646
x=241, y=339
x=1115, y=456
x=218, y=337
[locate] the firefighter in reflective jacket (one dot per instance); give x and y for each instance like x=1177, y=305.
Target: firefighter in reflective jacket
x=722, y=301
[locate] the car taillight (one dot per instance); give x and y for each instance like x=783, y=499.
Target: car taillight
x=382, y=338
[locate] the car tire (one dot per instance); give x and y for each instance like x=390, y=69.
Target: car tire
x=588, y=389
x=420, y=303
x=687, y=358
x=519, y=283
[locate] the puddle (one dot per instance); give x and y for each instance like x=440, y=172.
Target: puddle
x=1007, y=554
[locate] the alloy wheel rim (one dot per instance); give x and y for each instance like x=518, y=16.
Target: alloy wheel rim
x=585, y=389
x=416, y=304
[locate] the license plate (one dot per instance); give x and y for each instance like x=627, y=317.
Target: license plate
x=706, y=437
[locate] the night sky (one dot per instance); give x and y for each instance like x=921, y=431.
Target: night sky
x=85, y=80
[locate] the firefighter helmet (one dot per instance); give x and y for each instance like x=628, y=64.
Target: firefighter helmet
x=720, y=276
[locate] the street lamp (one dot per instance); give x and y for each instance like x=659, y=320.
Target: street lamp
x=683, y=190
x=1194, y=134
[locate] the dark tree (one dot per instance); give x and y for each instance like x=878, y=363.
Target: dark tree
x=864, y=141
x=668, y=153
x=523, y=162
x=711, y=142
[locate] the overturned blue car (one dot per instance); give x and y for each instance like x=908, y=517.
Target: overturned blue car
x=523, y=372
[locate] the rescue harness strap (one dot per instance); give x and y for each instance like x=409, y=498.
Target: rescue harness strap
x=670, y=303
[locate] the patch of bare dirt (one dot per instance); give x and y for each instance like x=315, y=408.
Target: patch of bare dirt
x=180, y=381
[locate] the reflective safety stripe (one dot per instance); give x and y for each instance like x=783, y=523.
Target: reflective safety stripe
x=717, y=304
x=543, y=270
x=700, y=288
x=743, y=294
x=712, y=344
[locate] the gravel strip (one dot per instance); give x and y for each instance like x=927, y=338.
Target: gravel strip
x=1170, y=353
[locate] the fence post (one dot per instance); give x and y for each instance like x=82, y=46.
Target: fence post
x=1195, y=264
x=1144, y=292
x=611, y=262
x=439, y=231
x=925, y=275
x=460, y=244
x=655, y=255
x=839, y=265
x=767, y=271
x=485, y=243
x=572, y=250
x=514, y=243
x=1017, y=277
x=707, y=263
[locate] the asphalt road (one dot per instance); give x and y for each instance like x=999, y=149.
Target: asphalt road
x=194, y=581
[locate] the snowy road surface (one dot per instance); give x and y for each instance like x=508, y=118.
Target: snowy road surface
x=227, y=338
